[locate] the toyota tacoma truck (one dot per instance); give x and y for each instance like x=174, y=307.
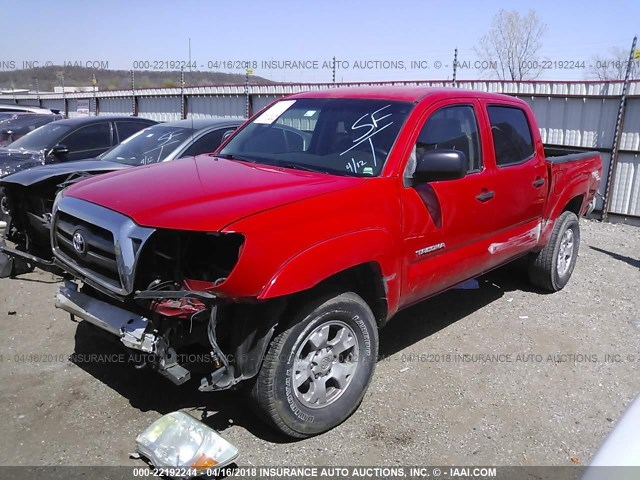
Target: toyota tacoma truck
x=284, y=252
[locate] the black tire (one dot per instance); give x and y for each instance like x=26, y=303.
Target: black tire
x=275, y=391
x=543, y=269
x=6, y=262
x=4, y=214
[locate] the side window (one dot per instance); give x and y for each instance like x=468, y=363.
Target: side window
x=205, y=144
x=452, y=128
x=91, y=137
x=126, y=129
x=512, y=141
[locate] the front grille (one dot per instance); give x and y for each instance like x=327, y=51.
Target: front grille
x=97, y=245
x=99, y=255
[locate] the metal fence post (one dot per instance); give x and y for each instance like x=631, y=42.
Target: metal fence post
x=616, y=136
x=183, y=109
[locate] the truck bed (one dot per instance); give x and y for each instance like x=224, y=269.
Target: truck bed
x=574, y=177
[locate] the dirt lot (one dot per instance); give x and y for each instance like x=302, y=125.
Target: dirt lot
x=543, y=394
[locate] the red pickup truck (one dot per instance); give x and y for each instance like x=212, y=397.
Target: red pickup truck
x=282, y=254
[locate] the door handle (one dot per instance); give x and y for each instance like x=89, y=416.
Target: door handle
x=538, y=182
x=485, y=196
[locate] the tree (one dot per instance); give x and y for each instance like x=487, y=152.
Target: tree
x=613, y=66
x=512, y=45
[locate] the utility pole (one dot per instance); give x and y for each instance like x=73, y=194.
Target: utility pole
x=615, y=149
x=455, y=66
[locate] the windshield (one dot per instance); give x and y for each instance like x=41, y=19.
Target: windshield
x=42, y=138
x=151, y=145
x=25, y=123
x=13, y=128
x=333, y=135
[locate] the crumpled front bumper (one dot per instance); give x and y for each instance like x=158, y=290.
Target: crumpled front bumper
x=132, y=329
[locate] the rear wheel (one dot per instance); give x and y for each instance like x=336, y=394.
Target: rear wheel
x=551, y=268
x=317, y=371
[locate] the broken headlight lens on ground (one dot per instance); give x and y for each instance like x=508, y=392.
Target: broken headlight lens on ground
x=178, y=440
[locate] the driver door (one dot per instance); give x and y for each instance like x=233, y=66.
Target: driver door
x=446, y=225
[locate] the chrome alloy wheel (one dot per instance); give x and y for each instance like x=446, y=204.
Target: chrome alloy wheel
x=565, y=252
x=324, y=364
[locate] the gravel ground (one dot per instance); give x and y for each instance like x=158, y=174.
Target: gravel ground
x=545, y=392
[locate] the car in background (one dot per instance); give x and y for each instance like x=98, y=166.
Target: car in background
x=19, y=124
x=10, y=107
x=30, y=194
x=64, y=141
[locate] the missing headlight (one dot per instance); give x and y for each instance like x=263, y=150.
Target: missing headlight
x=176, y=255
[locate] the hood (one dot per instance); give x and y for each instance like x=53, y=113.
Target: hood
x=204, y=193
x=42, y=173
x=14, y=160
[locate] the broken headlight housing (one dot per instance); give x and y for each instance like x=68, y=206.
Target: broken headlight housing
x=179, y=441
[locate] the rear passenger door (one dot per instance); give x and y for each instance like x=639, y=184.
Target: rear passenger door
x=88, y=141
x=520, y=181
x=447, y=225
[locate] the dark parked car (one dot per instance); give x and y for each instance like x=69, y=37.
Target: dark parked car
x=64, y=141
x=14, y=107
x=30, y=194
x=17, y=125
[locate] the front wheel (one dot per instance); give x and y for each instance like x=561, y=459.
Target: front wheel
x=5, y=215
x=317, y=371
x=551, y=268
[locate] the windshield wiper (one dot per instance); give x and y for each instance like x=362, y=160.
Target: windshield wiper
x=298, y=166
x=231, y=156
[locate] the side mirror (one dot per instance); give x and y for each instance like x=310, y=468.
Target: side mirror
x=436, y=165
x=60, y=150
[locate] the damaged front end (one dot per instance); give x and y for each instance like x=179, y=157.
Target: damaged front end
x=27, y=212
x=158, y=291
x=28, y=217
x=151, y=333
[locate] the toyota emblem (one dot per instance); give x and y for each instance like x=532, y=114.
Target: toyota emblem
x=79, y=243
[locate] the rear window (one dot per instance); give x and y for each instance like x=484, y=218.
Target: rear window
x=128, y=128
x=512, y=140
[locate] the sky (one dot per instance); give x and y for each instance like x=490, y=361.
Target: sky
x=372, y=40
